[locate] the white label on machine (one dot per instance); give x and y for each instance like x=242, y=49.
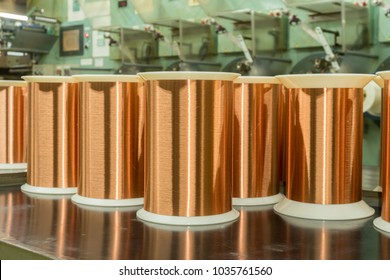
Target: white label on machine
x=75, y=12
x=86, y=61
x=100, y=47
x=98, y=62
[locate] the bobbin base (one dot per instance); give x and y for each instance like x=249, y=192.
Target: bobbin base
x=78, y=199
x=13, y=167
x=188, y=221
x=46, y=190
x=348, y=211
x=258, y=200
x=382, y=225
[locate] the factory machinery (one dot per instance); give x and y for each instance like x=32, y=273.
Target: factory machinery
x=251, y=38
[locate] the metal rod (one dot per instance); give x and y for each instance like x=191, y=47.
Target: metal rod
x=343, y=27
x=202, y=62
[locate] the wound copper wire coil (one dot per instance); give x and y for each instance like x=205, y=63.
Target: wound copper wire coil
x=188, y=144
x=282, y=126
x=385, y=152
x=324, y=145
x=53, y=132
x=111, y=137
x=13, y=133
x=255, y=137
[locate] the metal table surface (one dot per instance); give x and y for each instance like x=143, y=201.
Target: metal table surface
x=56, y=228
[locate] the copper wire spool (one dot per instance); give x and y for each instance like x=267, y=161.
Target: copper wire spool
x=111, y=140
x=282, y=125
x=324, y=147
x=53, y=135
x=255, y=141
x=188, y=148
x=383, y=222
x=13, y=133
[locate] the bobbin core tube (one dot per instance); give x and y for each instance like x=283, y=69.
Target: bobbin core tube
x=324, y=147
x=383, y=222
x=188, y=148
x=111, y=141
x=13, y=127
x=255, y=141
x=52, y=135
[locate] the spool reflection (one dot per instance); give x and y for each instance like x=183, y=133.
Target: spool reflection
x=186, y=243
x=111, y=235
x=258, y=234
x=323, y=240
x=52, y=224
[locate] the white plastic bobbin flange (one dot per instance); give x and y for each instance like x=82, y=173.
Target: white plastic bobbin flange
x=13, y=167
x=252, y=201
x=382, y=225
x=372, y=102
x=46, y=190
x=99, y=202
x=188, y=221
x=347, y=211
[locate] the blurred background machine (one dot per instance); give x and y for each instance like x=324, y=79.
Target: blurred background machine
x=251, y=37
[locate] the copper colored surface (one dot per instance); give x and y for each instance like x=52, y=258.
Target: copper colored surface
x=53, y=135
x=256, y=230
x=189, y=147
x=13, y=124
x=61, y=229
x=255, y=140
x=330, y=239
x=385, y=152
x=111, y=140
x=385, y=246
x=324, y=145
x=282, y=126
x=53, y=210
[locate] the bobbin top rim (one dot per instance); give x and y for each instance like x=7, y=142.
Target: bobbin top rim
x=49, y=79
x=379, y=81
x=108, y=78
x=256, y=80
x=14, y=83
x=188, y=75
x=325, y=80
x=384, y=74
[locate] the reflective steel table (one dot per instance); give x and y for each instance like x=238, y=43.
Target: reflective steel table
x=55, y=228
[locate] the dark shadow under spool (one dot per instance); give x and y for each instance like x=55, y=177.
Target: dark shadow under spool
x=111, y=141
x=52, y=135
x=188, y=148
x=324, y=147
x=255, y=141
x=13, y=127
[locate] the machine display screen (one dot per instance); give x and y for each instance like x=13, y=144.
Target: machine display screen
x=71, y=40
